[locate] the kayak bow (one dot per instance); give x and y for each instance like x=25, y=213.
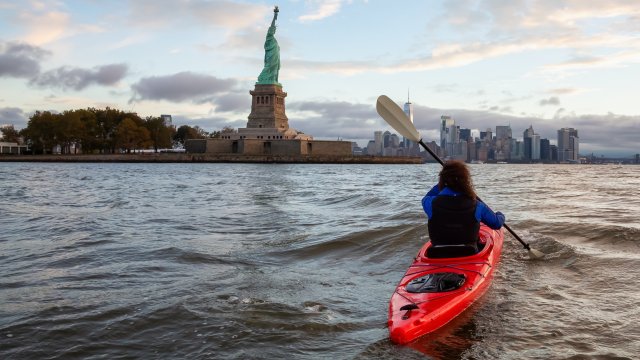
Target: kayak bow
x=433, y=291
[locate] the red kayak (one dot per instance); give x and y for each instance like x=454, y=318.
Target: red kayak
x=435, y=289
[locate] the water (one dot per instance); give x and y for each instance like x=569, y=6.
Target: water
x=252, y=261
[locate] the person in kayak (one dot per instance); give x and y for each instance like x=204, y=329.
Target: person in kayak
x=455, y=213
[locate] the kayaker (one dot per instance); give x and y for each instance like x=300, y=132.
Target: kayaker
x=455, y=213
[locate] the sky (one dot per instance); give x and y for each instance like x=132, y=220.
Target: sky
x=548, y=64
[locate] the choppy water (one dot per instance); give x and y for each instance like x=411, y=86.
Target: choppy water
x=251, y=261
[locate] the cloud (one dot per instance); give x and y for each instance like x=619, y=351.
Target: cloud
x=335, y=109
x=20, y=60
x=334, y=119
x=564, y=91
x=232, y=103
x=209, y=124
x=322, y=9
x=77, y=78
x=44, y=27
x=13, y=116
x=581, y=27
x=231, y=15
x=550, y=101
x=180, y=87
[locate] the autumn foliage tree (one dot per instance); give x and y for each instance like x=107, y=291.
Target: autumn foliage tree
x=161, y=135
x=10, y=134
x=131, y=135
x=95, y=131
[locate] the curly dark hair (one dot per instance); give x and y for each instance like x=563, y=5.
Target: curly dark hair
x=456, y=176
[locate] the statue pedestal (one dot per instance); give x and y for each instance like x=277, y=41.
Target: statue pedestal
x=268, y=108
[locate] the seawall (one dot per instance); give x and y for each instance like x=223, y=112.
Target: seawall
x=210, y=158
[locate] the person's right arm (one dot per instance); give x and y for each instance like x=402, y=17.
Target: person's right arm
x=428, y=198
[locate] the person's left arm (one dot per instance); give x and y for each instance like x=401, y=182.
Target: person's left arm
x=494, y=220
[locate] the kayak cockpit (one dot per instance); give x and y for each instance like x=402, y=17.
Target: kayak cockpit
x=437, y=252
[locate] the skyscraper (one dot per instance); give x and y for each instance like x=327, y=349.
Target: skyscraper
x=568, y=144
x=408, y=109
x=447, y=126
x=503, y=132
x=503, y=142
x=535, y=147
x=531, y=142
x=377, y=139
x=545, y=150
x=465, y=134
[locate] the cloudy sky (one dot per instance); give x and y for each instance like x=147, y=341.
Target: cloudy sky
x=546, y=63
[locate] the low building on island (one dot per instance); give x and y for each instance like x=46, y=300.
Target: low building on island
x=8, y=148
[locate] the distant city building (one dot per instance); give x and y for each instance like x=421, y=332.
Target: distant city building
x=410, y=146
x=371, y=148
x=386, y=139
x=446, y=125
x=553, y=152
x=535, y=147
x=355, y=149
x=545, y=150
x=531, y=142
x=377, y=139
x=503, y=132
x=488, y=135
x=458, y=143
x=166, y=119
x=568, y=145
x=517, y=149
x=502, y=143
x=450, y=139
x=465, y=134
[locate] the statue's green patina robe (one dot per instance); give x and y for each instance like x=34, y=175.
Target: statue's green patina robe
x=269, y=74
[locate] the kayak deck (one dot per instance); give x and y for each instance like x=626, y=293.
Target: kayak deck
x=414, y=314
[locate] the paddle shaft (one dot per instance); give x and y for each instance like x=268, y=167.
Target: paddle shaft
x=526, y=246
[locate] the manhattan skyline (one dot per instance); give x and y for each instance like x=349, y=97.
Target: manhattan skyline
x=549, y=64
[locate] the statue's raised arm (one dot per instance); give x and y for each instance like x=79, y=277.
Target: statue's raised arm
x=269, y=74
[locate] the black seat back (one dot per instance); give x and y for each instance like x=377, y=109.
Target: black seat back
x=450, y=251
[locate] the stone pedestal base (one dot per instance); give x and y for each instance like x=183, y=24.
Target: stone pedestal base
x=268, y=108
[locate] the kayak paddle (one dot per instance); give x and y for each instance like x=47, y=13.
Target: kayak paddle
x=394, y=116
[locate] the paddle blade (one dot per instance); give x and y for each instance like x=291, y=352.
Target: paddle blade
x=535, y=254
x=394, y=116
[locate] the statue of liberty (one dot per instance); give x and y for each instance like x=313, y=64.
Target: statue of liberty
x=269, y=75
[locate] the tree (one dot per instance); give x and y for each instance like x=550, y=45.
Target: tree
x=185, y=132
x=10, y=134
x=40, y=133
x=107, y=123
x=131, y=136
x=161, y=134
x=69, y=131
x=227, y=130
x=89, y=136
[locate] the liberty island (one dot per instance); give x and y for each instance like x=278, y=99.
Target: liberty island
x=268, y=134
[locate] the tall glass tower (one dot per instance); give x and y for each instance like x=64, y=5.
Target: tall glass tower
x=408, y=109
x=568, y=144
